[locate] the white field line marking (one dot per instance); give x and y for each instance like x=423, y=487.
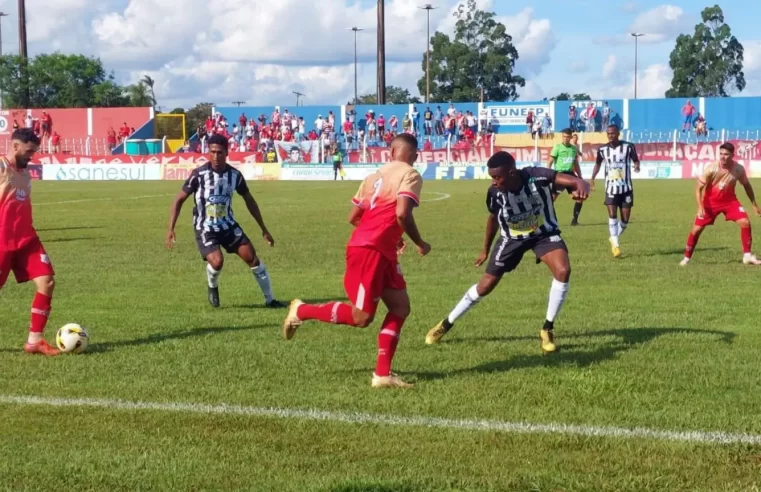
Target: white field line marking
x=442, y=196
x=85, y=200
x=707, y=437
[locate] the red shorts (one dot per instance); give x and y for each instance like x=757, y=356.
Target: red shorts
x=733, y=211
x=27, y=263
x=368, y=274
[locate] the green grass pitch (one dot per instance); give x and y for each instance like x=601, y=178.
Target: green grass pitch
x=644, y=343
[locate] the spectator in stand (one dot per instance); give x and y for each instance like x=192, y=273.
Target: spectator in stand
x=701, y=128
x=55, y=143
x=209, y=125
x=393, y=124
x=111, y=139
x=371, y=128
x=470, y=135
x=471, y=122
x=37, y=127
x=302, y=127
x=288, y=135
x=427, y=146
x=331, y=119
x=688, y=111
x=236, y=133
x=415, y=120
x=572, y=117
x=242, y=120
x=319, y=123
x=438, y=118
x=15, y=125
x=29, y=120
x=483, y=116
x=295, y=128
x=591, y=118
x=388, y=138
x=536, y=131
x=452, y=111
x=47, y=125
x=381, y=126
x=348, y=130
x=530, y=121
x=286, y=120
x=271, y=155
x=406, y=123
x=605, y=115
x=276, y=116
x=352, y=115
x=428, y=121
x=124, y=132
x=313, y=135
x=547, y=126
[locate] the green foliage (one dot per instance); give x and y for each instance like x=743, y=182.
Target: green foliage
x=564, y=96
x=196, y=116
x=58, y=80
x=394, y=95
x=481, y=56
x=710, y=62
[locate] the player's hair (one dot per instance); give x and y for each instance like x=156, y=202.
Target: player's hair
x=25, y=135
x=614, y=126
x=218, y=139
x=407, y=139
x=728, y=147
x=501, y=159
x=568, y=132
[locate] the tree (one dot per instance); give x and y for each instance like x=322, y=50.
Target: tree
x=481, y=56
x=394, y=95
x=59, y=81
x=196, y=116
x=150, y=83
x=710, y=62
x=139, y=95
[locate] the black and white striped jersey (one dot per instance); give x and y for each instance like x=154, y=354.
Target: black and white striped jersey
x=528, y=212
x=213, y=196
x=618, y=166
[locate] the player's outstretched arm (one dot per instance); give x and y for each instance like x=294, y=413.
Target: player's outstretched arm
x=253, y=209
x=579, y=186
x=174, y=212
x=492, y=226
x=406, y=221
x=749, y=191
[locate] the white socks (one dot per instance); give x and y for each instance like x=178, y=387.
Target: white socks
x=558, y=293
x=613, y=228
x=263, y=279
x=622, y=227
x=212, y=276
x=470, y=299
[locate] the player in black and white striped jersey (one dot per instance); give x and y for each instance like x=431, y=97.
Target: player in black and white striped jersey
x=520, y=206
x=212, y=187
x=620, y=158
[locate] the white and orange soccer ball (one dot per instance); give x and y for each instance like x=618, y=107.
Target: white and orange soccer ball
x=72, y=339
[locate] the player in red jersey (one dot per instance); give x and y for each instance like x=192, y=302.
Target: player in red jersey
x=382, y=212
x=21, y=251
x=715, y=194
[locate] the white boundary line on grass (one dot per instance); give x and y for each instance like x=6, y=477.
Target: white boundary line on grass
x=442, y=196
x=706, y=437
x=85, y=200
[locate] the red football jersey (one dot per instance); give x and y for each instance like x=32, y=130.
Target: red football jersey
x=377, y=195
x=720, y=183
x=16, y=230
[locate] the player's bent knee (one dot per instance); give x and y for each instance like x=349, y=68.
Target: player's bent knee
x=744, y=223
x=361, y=318
x=563, y=273
x=45, y=285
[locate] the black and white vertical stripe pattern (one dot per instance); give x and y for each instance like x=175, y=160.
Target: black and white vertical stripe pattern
x=215, y=190
x=533, y=200
x=618, y=167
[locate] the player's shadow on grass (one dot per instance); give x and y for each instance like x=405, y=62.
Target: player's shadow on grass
x=75, y=228
x=72, y=239
x=163, y=337
x=595, y=224
x=286, y=302
x=573, y=353
x=679, y=251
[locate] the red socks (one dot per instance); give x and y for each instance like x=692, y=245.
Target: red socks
x=747, y=239
x=337, y=313
x=692, y=241
x=387, y=342
x=40, y=313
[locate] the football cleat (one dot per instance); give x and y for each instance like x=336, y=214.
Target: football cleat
x=214, y=297
x=436, y=333
x=616, y=250
x=292, y=321
x=42, y=347
x=390, y=381
x=548, y=341
x=275, y=304
x=684, y=262
x=751, y=260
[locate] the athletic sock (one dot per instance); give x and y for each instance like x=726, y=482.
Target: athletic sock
x=263, y=279
x=39, y=318
x=613, y=228
x=692, y=241
x=470, y=299
x=388, y=339
x=558, y=293
x=577, y=210
x=622, y=227
x=747, y=239
x=212, y=276
x=338, y=313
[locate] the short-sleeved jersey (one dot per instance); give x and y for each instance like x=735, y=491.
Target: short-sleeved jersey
x=529, y=211
x=720, y=183
x=16, y=229
x=377, y=196
x=618, y=161
x=565, y=157
x=213, y=196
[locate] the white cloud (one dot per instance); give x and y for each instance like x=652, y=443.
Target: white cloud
x=531, y=92
x=659, y=24
x=578, y=66
x=630, y=7
x=609, y=68
x=533, y=38
x=752, y=57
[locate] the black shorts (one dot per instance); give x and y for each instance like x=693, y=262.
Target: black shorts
x=560, y=189
x=337, y=166
x=622, y=200
x=508, y=253
x=231, y=240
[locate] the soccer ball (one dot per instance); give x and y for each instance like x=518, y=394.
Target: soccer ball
x=71, y=339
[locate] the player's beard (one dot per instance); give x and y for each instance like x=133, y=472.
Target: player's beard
x=21, y=161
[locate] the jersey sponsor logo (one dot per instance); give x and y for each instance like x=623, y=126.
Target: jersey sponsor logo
x=45, y=259
x=628, y=199
x=238, y=232
x=555, y=239
x=216, y=199
x=21, y=195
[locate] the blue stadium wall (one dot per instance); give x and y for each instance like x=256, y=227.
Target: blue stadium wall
x=655, y=115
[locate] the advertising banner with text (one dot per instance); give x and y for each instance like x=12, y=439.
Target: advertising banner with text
x=100, y=172
x=324, y=172
x=250, y=171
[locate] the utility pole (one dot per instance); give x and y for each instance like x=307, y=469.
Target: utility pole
x=428, y=7
x=356, y=97
x=22, y=53
x=636, y=36
x=298, y=96
x=239, y=103
x=381, y=52
x=2, y=14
